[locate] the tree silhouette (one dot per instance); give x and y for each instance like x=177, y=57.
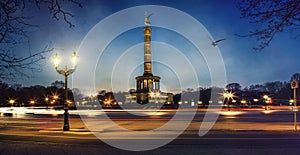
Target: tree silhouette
x=274, y=87
x=273, y=16
x=14, y=29
x=296, y=77
x=233, y=86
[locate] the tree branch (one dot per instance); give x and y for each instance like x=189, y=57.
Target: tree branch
x=273, y=16
x=14, y=28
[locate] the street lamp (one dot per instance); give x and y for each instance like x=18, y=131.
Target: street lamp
x=55, y=97
x=268, y=101
x=31, y=101
x=11, y=101
x=227, y=96
x=65, y=72
x=243, y=101
x=265, y=97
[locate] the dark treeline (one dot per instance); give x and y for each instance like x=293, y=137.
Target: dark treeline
x=34, y=95
x=280, y=92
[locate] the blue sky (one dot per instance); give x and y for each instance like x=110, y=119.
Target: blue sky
x=220, y=18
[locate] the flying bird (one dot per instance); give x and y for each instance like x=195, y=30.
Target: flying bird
x=215, y=43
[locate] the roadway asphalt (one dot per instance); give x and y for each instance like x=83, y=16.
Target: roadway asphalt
x=251, y=132
x=215, y=142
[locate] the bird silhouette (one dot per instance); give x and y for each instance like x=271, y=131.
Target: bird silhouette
x=215, y=43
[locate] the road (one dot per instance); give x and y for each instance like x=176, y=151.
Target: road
x=213, y=143
x=235, y=132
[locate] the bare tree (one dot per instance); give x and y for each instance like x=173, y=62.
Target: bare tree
x=273, y=16
x=296, y=77
x=14, y=29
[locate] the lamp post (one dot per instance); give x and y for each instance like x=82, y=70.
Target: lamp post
x=65, y=72
x=294, y=85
